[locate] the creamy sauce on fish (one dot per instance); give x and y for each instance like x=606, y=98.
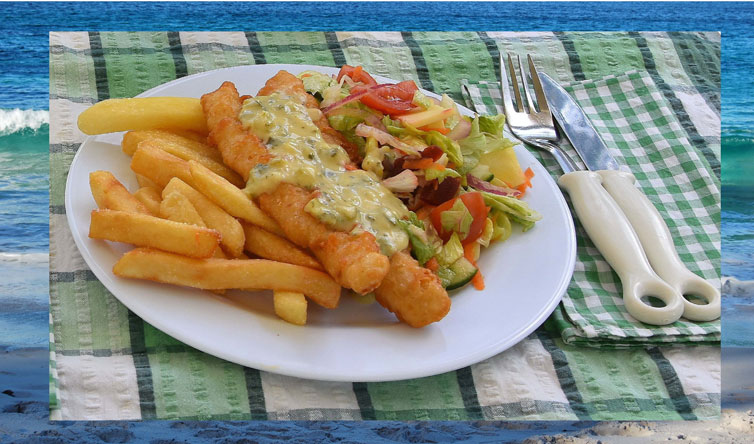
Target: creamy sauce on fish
x=352, y=201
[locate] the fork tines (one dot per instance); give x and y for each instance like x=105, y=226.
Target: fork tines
x=518, y=106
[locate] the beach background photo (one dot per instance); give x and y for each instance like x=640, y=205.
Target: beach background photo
x=24, y=201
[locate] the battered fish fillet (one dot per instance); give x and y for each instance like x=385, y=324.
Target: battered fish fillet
x=292, y=86
x=240, y=149
x=401, y=285
x=355, y=262
x=412, y=292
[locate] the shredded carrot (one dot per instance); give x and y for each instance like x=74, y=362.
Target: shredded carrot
x=306, y=75
x=432, y=265
x=357, y=72
x=423, y=212
x=350, y=167
x=478, y=280
x=434, y=127
x=468, y=253
x=528, y=174
x=418, y=164
x=436, y=166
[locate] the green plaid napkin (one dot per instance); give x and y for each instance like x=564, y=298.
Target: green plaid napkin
x=107, y=363
x=643, y=135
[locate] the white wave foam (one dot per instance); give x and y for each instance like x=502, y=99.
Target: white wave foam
x=25, y=258
x=741, y=289
x=14, y=120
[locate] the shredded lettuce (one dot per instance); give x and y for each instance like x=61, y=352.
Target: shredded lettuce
x=457, y=218
x=347, y=124
x=501, y=226
x=492, y=124
x=440, y=175
x=517, y=210
x=422, y=247
x=398, y=129
x=449, y=147
x=421, y=100
x=485, y=137
x=316, y=83
x=487, y=234
x=451, y=251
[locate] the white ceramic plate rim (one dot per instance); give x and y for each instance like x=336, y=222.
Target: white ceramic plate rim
x=354, y=342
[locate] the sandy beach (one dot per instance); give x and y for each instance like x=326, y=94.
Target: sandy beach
x=24, y=418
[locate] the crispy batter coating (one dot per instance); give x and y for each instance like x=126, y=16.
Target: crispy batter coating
x=353, y=261
x=292, y=86
x=240, y=149
x=337, y=251
x=412, y=292
x=401, y=285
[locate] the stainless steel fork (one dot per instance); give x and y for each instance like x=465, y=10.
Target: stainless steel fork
x=533, y=125
x=604, y=221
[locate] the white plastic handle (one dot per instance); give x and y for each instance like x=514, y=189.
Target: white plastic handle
x=611, y=232
x=655, y=237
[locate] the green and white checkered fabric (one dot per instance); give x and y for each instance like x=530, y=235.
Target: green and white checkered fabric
x=107, y=363
x=645, y=137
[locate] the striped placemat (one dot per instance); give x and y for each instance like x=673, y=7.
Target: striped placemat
x=110, y=364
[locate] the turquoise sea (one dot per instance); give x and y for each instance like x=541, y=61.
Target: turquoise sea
x=24, y=125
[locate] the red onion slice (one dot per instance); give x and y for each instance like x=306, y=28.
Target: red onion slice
x=341, y=102
x=405, y=182
x=460, y=131
x=386, y=139
x=370, y=118
x=481, y=185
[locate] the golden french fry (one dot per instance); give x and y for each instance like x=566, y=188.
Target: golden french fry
x=214, y=274
x=233, y=237
x=264, y=244
x=150, y=197
x=110, y=194
x=178, y=208
x=113, y=115
x=132, y=138
x=158, y=165
x=149, y=231
x=144, y=181
x=290, y=306
x=182, y=148
x=229, y=197
x=193, y=135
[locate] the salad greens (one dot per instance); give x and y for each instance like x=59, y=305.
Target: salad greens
x=401, y=130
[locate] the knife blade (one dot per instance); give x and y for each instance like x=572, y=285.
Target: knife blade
x=577, y=127
x=646, y=221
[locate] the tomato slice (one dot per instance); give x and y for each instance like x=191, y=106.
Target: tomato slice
x=394, y=100
x=474, y=202
x=381, y=100
x=357, y=74
x=407, y=88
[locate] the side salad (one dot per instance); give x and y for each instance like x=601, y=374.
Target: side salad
x=458, y=176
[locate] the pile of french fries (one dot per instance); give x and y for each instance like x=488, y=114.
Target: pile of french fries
x=190, y=221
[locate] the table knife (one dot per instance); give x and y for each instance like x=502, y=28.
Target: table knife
x=648, y=224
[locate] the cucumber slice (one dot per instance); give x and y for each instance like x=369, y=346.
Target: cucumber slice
x=457, y=274
x=482, y=172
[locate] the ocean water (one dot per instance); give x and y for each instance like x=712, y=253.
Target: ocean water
x=24, y=201
x=24, y=100
x=24, y=86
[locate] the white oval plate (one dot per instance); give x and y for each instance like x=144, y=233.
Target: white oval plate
x=525, y=278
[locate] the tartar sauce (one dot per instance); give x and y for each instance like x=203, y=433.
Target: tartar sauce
x=353, y=201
